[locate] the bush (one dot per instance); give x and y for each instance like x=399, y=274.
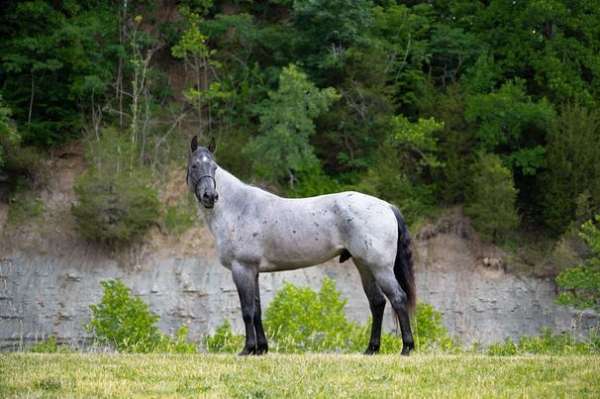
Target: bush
x=116, y=203
x=430, y=333
x=8, y=131
x=301, y=320
x=580, y=285
x=224, y=340
x=179, y=218
x=548, y=344
x=24, y=207
x=492, y=200
x=114, y=209
x=127, y=324
x=49, y=345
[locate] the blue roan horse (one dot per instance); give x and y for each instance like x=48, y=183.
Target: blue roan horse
x=256, y=232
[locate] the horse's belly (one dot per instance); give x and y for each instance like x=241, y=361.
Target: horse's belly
x=290, y=260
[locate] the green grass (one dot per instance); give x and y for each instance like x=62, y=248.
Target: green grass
x=301, y=376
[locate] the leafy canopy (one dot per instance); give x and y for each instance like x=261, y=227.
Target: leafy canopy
x=286, y=124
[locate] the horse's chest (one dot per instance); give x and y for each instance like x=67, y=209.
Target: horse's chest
x=236, y=241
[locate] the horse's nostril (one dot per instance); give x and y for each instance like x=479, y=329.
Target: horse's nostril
x=216, y=196
x=205, y=195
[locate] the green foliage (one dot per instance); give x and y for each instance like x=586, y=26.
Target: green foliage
x=286, y=124
x=429, y=331
x=326, y=28
x=49, y=345
x=492, y=202
x=224, y=340
x=177, y=344
x=179, y=218
x=546, y=344
x=116, y=203
x=314, y=182
x=8, y=132
x=509, y=118
x=492, y=72
x=404, y=165
x=122, y=321
x=126, y=324
x=24, y=207
x=580, y=285
x=55, y=58
x=572, y=166
x=301, y=320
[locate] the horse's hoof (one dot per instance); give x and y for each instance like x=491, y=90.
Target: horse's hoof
x=262, y=349
x=247, y=352
x=372, y=350
x=407, y=348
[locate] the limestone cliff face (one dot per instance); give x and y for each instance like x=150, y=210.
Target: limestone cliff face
x=49, y=277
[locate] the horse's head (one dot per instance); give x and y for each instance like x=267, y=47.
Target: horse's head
x=201, y=173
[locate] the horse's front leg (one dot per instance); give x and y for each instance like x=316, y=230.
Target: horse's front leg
x=245, y=279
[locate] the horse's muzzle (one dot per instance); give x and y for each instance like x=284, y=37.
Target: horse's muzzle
x=207, y=200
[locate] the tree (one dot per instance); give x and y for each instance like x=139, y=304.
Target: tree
x=492, y=201
x=580, y=285
x=512, y=124
x=406, y=161
x=286, y=124
x=573, y=151
x=56, y=59
x=8, y=132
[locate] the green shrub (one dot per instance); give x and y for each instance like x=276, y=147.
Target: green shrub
x=116, y=203
x=114, y=209
x=9, y=135
x=127, y=324
x=49, y=345
x=176, y=344
x=301, y=320
x=179, y=218
x=23, y=207
x=492, y=201
x=580, y=285
x=547, y=343
x=224, y=340
x=430, y=332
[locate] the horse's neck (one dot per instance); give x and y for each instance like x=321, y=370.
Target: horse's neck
x=232, y=195
x=229, y=186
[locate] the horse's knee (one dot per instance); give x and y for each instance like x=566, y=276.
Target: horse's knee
x=248, y=316
x=377, y=304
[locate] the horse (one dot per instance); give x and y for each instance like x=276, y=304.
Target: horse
x=258, y=232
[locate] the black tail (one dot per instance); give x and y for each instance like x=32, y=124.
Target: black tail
x=403, y=265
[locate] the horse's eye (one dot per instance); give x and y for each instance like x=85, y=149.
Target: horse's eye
x=194, y=166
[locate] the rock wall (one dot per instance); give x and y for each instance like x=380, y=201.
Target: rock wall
x=48, y=292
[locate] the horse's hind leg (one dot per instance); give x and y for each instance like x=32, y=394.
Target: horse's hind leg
x=261, y=340
x=377, y=305
x=386, y=280
x=245, y=279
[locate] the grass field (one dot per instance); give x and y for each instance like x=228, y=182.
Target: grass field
x=301, y=376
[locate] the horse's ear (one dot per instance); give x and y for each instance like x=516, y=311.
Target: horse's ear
x=194, y=143
x=212, y=146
